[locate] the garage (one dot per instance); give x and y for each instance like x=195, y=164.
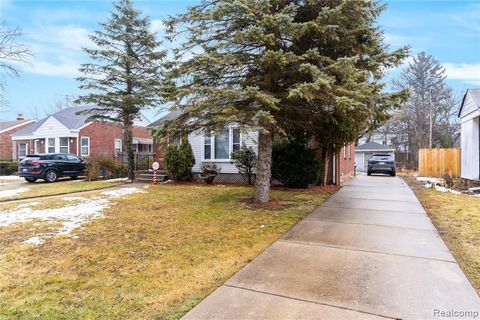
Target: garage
x=365, y=151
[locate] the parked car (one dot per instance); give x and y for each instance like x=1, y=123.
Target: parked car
x=381, y=163
x=50, y=167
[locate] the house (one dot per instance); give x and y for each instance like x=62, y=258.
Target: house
x=469, y=115
x=365, y=151
x=66, y=131
x=7, y=128
x=218, y=148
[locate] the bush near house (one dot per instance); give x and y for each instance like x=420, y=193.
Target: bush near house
x=245, y=160
x=293, y=164
x=102, y=166
x=8, y=168
x=179, y=161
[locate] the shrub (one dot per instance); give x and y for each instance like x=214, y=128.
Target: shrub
x=173, y=162
x=8, y=168
x=179, y=161
x=294, y=164
x=106, y=167
x=245, y=160
x=209, y=172
x=188, y=160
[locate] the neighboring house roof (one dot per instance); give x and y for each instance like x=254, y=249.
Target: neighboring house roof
x=169, y=116
x=475, y=95
x=9, y=125
x=71, y=118
x=373, y=146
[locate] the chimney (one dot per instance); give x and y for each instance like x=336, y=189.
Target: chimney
x=20, y=117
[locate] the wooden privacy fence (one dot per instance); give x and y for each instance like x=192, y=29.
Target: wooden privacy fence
x=438, y=162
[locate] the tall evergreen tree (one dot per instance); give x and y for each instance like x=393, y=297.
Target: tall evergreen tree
x=126, y=73
x=279, y=65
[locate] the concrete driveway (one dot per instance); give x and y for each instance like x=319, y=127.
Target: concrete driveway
x=369, y=252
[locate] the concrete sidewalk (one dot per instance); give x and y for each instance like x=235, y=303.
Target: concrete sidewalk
x=369, y=252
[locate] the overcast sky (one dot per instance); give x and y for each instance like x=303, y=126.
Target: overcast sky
x=57, y=30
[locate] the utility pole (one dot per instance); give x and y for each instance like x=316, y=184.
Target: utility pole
x=431, y=122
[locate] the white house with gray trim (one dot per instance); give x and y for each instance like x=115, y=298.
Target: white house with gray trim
x=365, y=151
x=215, y=148
x=469, y=115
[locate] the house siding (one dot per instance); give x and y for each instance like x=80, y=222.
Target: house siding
x=347, y=163
x=6, y=143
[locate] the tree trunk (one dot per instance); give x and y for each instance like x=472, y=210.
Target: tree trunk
x=127, y=136
x=326, y=164
x=264, y=164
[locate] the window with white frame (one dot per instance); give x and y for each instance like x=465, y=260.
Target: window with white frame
x=349, y=151
x=22, y=149
x=64, y=148
x=51, y=145
x=345, y=151
x=85, y=146
x=118, y=146
x=220, y=147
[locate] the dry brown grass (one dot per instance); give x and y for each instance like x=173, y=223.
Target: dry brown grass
x=154, y=256
x=457, y=218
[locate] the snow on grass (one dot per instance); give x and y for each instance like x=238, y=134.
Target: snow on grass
x=10, y=178
x=12, y=192
x=71, y=217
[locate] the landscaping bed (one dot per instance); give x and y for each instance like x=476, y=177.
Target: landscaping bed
x=457, y=218
x=153, y=255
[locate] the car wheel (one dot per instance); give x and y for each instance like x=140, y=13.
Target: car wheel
x=393, y=174
x=31, y=180
x=50, y=176
x=73, y=177
x=369, y=173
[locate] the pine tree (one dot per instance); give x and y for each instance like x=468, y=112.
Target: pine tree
x=125, y=76
x=278, y=65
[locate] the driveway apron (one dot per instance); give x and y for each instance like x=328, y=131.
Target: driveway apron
x=369, y=252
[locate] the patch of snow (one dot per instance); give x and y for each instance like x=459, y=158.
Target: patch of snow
x=12, y=192
x=35, y=241
x=443, y=189
x=71, y=217
x=430, y=179
x=116, y=180
x=10, y=178
x=122, y=192
x=73, y=198
x=428, y=185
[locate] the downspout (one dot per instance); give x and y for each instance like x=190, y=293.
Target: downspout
x=78, y=142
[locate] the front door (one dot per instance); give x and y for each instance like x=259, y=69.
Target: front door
x=37, y=146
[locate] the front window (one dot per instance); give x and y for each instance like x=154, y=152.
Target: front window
x=207, y=148
x=51, y=145
x=221, y=142
x=22, y=150
x=221, y=146
x=37, y=146
x=85, y=146
x=118, y=146
x=63, y=145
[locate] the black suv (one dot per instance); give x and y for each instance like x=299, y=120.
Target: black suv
x=381, y=163
x=50, y=166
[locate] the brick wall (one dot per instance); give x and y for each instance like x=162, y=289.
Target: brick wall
x=102, y=138
x=6, y=144
x=347, y=162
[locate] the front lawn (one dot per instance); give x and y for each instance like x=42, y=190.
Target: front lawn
x=153, y=256
x=457, y=218
x=41, y=189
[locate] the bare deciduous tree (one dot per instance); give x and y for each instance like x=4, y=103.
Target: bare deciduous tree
x=12, y=53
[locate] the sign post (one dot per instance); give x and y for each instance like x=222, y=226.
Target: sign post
x=155, y=167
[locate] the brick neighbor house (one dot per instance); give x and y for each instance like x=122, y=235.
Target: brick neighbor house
x=218, y=148
x=7, y=128
x=66, y=131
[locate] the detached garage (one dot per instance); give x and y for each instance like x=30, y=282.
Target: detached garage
x=365, y=151
x=470, y=139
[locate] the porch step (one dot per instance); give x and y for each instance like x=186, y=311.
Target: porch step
x=148, y=177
